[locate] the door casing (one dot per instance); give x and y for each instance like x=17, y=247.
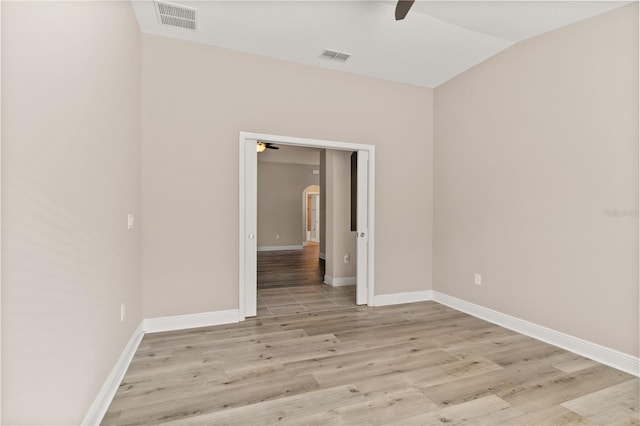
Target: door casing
x=247, y=285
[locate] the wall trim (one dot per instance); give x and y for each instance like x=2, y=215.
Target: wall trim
x=277, y=248
x=340, y=281
x=399, y=298
x=182, y=322
x=607, y=356
x=108, y=390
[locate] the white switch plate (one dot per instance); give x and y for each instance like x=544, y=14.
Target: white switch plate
x=122, y=311
x=347, y=259
x=277, y=236
x=130, y=221
x=477, y=279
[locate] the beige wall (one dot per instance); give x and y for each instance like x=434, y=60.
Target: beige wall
x=280, y=202
x=70, y=163
x=533, y=147
x=340, y=241
x=197, y=98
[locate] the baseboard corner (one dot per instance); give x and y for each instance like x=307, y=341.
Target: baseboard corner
x=340, y=281
x=108, y=390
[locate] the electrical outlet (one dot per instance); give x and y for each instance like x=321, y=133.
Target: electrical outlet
x=347, y=259
x=477, y=279
x=122, y=311
x=277, y=236
x=130, y=221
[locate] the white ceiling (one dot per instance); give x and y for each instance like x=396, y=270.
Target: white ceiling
x=436, y=41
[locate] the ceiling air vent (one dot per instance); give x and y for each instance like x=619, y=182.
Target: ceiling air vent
x=176, y=15
x=334, y=55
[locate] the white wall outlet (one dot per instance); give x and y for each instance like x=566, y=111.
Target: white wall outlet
x=277, y=236
x=347, y=259
x=477, y=279
x=130, y=221
x=123, y=311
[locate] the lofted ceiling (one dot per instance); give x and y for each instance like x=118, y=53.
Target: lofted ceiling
x=435, y=42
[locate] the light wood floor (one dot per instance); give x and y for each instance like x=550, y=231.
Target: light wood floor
x=290, y=268
x=291, y=282
x=414, y=364
x=310, y=298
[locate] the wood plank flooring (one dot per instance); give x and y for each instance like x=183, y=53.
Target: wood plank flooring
x=413, y=364
x=309, y=298
x=291, y=282
x=290, y=268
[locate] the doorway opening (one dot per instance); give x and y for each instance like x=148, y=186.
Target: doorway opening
x=364, y=287
x=288, y=188
x=311, y=211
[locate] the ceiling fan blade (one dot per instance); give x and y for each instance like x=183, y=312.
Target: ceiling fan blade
x=272, y=147
x=402, y=8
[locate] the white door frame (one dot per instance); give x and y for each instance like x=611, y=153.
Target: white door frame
x=247, y=286
x=362, y=230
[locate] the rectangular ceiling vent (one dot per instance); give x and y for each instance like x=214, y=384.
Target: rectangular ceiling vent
x=176, y=15
x=334, y=55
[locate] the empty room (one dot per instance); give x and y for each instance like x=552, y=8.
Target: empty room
x=471, y=231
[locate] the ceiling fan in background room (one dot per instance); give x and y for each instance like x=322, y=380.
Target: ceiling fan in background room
x=262, y=146
x=402, y=8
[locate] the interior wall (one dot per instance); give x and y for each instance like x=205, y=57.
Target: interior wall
x=340, y=240
x=536, y=181
x=71, y=174
x=280, y=208
x=190, y=166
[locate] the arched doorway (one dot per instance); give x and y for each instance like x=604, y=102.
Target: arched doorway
x=311, y=214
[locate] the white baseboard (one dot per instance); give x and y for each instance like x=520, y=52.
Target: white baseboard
x=277, y=248
x=339, y=281
x=398, y=298
x=611, y=357
x=322, y=256
x=181, y=322
x=599, y=353
x=108, y=390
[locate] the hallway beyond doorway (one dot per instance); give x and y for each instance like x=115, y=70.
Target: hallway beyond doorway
x=290, y=268
x=297, y=300
x=291, y=281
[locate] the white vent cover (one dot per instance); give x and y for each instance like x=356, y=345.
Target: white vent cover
x=176, y=15
x=334, y=55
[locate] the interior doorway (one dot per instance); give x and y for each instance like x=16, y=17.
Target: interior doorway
x=248, y=214
x=311, y=220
